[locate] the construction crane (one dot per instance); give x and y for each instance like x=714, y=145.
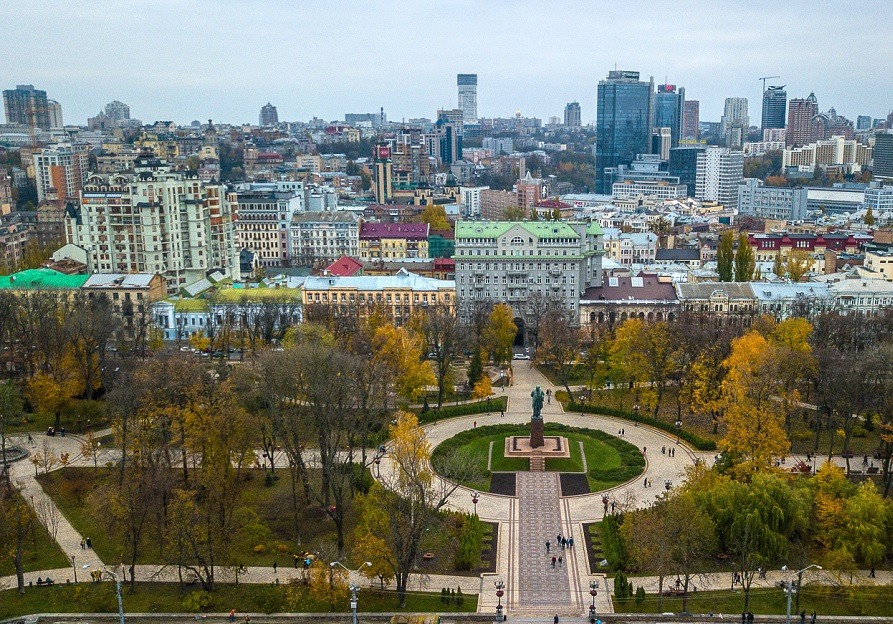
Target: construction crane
x=764, y=79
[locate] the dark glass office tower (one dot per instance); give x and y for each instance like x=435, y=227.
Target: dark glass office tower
x=669, y=105
x=684, y=163
x=623, y=122
x=775, y=105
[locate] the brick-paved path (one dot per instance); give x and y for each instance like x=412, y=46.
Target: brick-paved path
x=540, y=588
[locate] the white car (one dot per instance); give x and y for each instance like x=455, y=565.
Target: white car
x=520, y=356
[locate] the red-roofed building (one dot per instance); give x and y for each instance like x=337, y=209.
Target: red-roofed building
x=547, y=207
x=383, y=241
x=345, y=266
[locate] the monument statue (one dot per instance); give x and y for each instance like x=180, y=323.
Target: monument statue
x=536, y=421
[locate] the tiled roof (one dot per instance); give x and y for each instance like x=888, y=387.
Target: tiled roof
x=344, y=266
x=417, y=231
x=403, y=279
x=630, y=289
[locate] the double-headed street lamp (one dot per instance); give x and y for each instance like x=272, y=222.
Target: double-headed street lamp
x=354, y=588
x=500, y=592
x=475, y=500
x=789, y=588
x=593, y=591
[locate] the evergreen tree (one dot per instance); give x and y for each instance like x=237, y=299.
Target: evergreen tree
x=475, y=368
x=725, y=256
x=744, y=260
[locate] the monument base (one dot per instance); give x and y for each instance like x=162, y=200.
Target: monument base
x=553, y=446
x=536, y=433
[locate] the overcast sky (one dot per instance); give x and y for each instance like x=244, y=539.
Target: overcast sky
x=223, y=59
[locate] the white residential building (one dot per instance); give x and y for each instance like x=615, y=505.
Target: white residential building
x=719, y=172
x=470, y=198
x=154, y=220
x=323, y=237
x=263, y=218
x=772, y=202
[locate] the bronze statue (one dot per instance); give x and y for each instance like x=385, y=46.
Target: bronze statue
x=537, y=396
x=536, y=421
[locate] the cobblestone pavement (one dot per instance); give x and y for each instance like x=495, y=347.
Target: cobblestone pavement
x=541, y=587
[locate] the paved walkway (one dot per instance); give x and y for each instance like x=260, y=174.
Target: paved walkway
x=542, y=586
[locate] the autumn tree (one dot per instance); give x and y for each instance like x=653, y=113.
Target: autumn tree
x=89, y=328
x=744, y=263
x=646, y=353
x=17, y=524
x=403, y=351
x=753, y=417
x=499, y=334
x=436, y=217
x=559, y=345
x=444, y=338
x=483, y=388
x=725, y=256
x=799, y=264
x=409, y=495
x=10, y=411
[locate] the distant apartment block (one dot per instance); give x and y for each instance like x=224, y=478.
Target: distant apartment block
x=323, y=237
x=772, y=202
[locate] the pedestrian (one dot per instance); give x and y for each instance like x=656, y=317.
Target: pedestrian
x=548, y=546
x=803, y=617
x=232, y=615
x=570, y=542
x=674, y=452
x=623, y=432
x=83, y=544
x=554, y=559
x=558, y=538
x=613, y=506
x=560, y=560
x=475, y=424
x=30, y=439
x=871, y=574
x=744, y=617
x=295, y=557
x=555, y=619
x=89, y=543
x=663, y=450
x=247, y=619
x=812, y=619
x=502, y=413
x=274, y=567
x=644, y=450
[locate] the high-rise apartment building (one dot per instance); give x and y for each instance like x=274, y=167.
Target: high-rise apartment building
x=669, y=110
x=735, y=122
x=883, y=155
x=269, y=116
x=154, y=220
x=468, y=97
x=523, y=263
x=117, y=112
x=54, y=112
x=60, y=171
x=771, y=202
x=690, y=118
x=572, y=117
x=26, y=106
x=775, y=104
x=720, y=171
x=800, y=114
x=624, y=120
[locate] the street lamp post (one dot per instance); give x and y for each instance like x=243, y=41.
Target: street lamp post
x=354, y=588
x=117, y=579
x=789, y=588
x=75, y=568
x=593, y=591
x=475, y=500
x=500, y=592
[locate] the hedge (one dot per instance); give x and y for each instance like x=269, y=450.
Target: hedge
x=702, y=444
x=464, y=409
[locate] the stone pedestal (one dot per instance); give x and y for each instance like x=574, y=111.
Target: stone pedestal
x=536, y=433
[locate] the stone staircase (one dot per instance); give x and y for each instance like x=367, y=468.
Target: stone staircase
x=537, y=463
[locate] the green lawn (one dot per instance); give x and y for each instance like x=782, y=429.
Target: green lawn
x=169, y=597
x=79, y=416
x=41, y=551
x=610, y=460
x=823, y=600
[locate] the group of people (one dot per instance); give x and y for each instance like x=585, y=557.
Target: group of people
x=86, y=543
x=563, y=543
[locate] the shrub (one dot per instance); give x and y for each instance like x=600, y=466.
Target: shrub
x=694, y=439
x=640, y=595
x=612, y=542
x=197, y=601
x=465, y=409
x=860, y=432
x=460, y=599
x=622, y=587
x=469, y=536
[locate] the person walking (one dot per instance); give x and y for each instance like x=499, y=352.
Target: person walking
x=554, y=559
x=555, y=619
x=232, y=615
x=560, y=561
x=548, y=546
x=274, y=567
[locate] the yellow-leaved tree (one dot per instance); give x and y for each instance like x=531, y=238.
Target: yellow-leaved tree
x=499, y=334
x=403, y=351
x=483, y=388
x=755, y=436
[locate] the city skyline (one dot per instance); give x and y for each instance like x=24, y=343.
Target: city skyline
x=717, y=52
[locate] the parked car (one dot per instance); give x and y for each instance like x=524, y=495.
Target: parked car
x=520, y=356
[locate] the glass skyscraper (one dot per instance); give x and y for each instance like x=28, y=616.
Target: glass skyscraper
x=775, y=106
x=623, y=122
x=669, y=105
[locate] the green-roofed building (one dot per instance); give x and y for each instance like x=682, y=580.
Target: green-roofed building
x=526, y=264
x=42, y=279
